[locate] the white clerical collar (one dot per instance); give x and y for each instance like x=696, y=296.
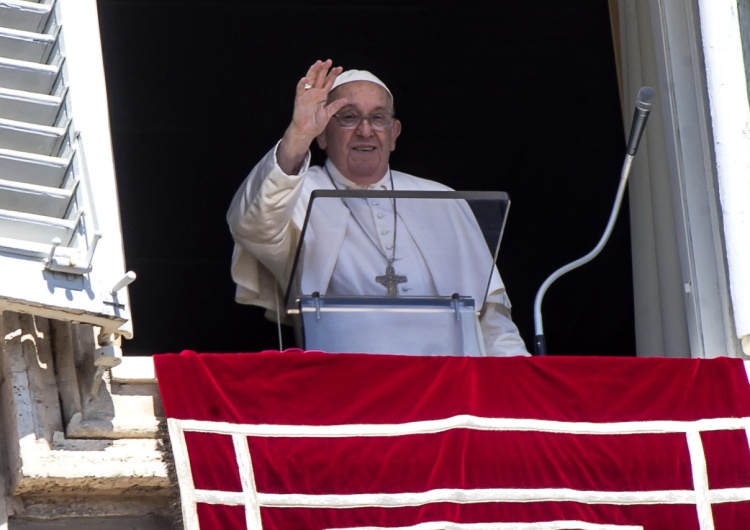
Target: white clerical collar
x=343, y=182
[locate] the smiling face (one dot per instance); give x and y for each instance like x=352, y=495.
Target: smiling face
x=361, y=154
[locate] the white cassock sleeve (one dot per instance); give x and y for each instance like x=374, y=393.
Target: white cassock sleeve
x=501, y=336
x=264, y=219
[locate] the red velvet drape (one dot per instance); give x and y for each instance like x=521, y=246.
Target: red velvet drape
x=576, y=456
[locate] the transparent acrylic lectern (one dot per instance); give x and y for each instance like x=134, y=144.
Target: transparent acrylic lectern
x=456, y=237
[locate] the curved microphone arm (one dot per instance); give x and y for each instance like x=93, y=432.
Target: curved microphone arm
x=644, y=101
x=540, y=347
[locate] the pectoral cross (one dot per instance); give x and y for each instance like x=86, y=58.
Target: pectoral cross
x=390, y=280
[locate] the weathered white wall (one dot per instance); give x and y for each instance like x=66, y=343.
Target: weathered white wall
x=726, y=83
x=69, y=454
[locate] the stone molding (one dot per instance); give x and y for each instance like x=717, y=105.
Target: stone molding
x=66, y=452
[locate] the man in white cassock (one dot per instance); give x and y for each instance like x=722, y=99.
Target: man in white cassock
x=351, y=117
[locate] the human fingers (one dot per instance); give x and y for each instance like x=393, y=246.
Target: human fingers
x=310, y=114
x=316, y=74
x=336, y=105
x=331, y=77
x=308, y=80
x=321, y=72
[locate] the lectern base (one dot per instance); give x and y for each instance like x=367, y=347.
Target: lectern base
x=404, y=326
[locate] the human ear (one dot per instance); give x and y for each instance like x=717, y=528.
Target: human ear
x=395, y=132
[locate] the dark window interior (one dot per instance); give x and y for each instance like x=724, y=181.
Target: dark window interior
x=514, y=96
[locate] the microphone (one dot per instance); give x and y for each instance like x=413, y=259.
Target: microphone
x=643, y=104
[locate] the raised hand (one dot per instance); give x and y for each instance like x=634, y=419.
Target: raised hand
x=312, y=111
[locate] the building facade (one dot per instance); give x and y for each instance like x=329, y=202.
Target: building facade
x=81, y=442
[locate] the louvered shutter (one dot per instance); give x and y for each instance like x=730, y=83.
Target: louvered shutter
x=60, y=239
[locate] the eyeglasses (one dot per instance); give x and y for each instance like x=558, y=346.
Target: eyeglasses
x=351, y=120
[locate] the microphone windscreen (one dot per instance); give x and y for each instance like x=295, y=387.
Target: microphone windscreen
x=645, y=98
